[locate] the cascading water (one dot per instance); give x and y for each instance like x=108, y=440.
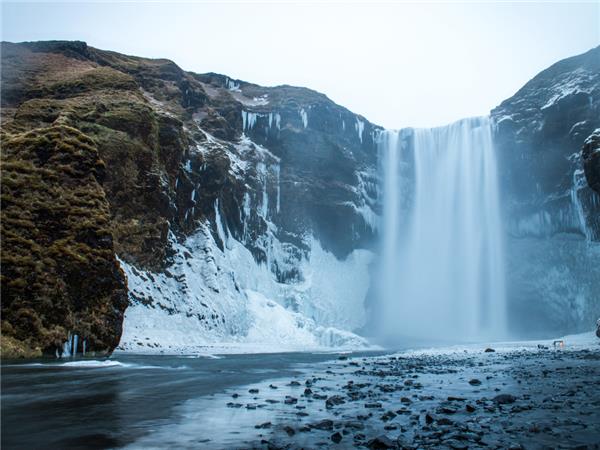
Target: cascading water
x=442, y=259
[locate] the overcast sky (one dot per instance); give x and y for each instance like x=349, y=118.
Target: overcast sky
x=398, y=64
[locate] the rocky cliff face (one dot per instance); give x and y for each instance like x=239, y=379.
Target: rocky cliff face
x=60, y=276
x=546, y=145
x=540, y=134
x=203, y=172
x=230, y=212
x=590, y=156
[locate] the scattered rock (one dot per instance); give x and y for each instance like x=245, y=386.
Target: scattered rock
x=334, y=400
x=290, y=400
x=388, y=416
x=336, y=437
x=324, y=424
x=457, y=445
x=373, y=405
x=444, y=421
x=234, y=405
x=381, y=442
x=446, y=410
x=474, y=382
x=489, y=350
x=355, y=425
x=504, y=399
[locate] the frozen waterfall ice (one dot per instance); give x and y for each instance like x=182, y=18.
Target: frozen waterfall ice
x=442, y=255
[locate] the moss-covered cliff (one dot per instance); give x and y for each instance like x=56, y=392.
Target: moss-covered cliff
x=59, y=271
x=173, y=150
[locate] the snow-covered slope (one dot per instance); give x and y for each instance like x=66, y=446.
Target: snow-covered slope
x=211, y=297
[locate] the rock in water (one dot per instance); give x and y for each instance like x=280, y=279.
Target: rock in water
x=504, y=399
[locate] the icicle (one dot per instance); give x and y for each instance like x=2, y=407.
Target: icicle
x=220, y=229
x=578, y=183
x=278, y=121
x=232, y=85
x=66, y=350
x=359, y=126
x=246, y=208
x=304, y=116
x=276, y=169
x=74, y=347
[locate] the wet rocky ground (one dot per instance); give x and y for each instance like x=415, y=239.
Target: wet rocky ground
x=477, y=397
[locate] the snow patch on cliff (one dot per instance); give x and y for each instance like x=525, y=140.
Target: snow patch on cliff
x=570, y=83
x=210, y=297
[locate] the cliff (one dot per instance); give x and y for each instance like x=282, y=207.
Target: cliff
x=159, y=210
x=548, y=166
x=275, y=169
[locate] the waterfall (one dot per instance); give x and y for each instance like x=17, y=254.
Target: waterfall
x=442, y=259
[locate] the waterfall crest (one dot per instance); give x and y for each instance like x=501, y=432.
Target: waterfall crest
x=442, y=254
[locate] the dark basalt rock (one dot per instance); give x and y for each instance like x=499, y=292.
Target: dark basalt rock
x=539, y=135
x=504, y=399
x=324, y=424
x=334, y=400
x=591, y=160
x=381, y=442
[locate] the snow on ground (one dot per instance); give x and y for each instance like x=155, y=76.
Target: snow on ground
x=580, y=341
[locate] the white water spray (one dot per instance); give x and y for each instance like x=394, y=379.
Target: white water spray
x=442, y=260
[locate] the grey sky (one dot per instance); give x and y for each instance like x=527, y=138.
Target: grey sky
x=398, y=64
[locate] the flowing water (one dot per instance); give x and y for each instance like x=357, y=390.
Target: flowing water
x=442, y=262
x=101, y=404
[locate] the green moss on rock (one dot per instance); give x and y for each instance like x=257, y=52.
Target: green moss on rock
x=59, y=271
